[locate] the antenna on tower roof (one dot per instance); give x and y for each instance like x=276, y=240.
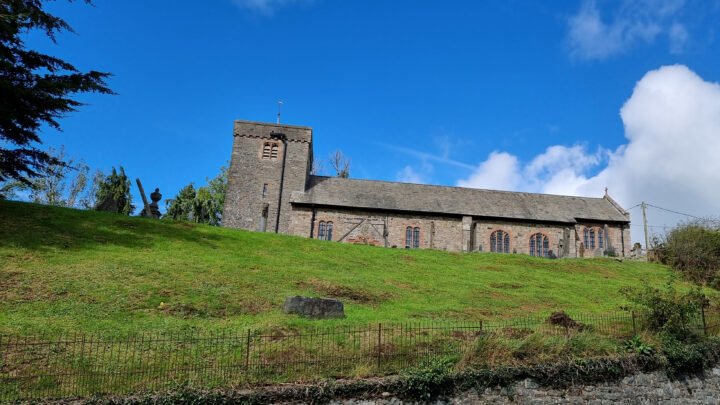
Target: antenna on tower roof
x=279, y=107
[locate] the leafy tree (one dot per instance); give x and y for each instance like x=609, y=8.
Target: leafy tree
x=35, y=90
x=693, y=249
x=203, y=205
x=113, y=193
x=9, y=188
x=182, y=207
x=59, y=187
x=214, y=196
x=89, y=198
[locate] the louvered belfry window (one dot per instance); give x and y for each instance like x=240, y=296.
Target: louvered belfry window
x=270, y=150
x=266, y=150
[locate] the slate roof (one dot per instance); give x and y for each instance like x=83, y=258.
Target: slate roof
x=383, y=195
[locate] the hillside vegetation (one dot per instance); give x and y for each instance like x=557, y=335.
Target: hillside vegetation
x=66, y=271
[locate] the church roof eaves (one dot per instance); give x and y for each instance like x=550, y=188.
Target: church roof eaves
x=421, y=198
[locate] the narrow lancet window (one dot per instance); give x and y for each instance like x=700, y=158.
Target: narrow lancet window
x=539, y=245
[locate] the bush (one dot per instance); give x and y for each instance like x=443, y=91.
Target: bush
x=694, y=250
x=668, y=311
x=428, y=380
x=690, y=357
x=636, y=345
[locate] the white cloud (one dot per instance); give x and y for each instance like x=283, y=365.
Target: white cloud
x=671, y=159
x=591, y=36
x=501, y=171
x=410, y=175
x=678, y=38
x=267, y=7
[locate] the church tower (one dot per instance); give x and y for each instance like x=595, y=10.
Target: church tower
x=268, y=163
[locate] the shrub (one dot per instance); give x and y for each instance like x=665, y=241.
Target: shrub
x=636, y=345
x=690, y=357
x=694, y=250
x=667, y=311
x=427, y=380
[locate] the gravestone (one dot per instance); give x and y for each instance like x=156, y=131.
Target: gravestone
x=316, y=308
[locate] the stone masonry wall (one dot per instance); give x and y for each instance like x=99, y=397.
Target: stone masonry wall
x=365, y=227
x=436, y=232
x=519, y=235
x=642, y=388
x=249, y=172
x=617, y=238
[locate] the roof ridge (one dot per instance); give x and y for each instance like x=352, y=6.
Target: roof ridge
x=458, y=187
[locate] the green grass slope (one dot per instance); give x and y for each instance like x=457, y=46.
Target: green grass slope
x=65, y=271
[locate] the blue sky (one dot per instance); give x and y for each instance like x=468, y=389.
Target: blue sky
x=457, y=93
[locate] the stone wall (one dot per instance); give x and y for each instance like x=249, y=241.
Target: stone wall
x=439, y=232
x=250, y=173
x=643, y=388
x=520, y=236
x=365, y=227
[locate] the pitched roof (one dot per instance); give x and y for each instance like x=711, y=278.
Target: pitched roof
x=383, y=195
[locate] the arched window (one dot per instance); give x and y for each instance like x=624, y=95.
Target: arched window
x=412, y=237
x=500, y=242
x=329, y=230
x=274, y=151
x=321, y=230
x=592, y=239
x=586, y=237
x=325, y=230
x=539, y=245
x=601, y=239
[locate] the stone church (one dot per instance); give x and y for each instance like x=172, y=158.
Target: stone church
x=271, y=189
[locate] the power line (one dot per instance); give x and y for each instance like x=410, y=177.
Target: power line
x=653, y=226
x=674, y=212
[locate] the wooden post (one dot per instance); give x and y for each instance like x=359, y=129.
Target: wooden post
x=702, y=312
x=379, y=343
x=247, y=351
x=645, y=225
x=144, y=198
x=633, y=323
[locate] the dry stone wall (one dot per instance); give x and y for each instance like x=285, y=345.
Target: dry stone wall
x=643, y=388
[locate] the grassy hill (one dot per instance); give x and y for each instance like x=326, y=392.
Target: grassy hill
x=64, y=270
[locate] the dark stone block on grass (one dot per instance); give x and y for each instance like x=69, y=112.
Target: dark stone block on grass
x=316, y=308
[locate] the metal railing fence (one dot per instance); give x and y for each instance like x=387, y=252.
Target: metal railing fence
x=85, y=365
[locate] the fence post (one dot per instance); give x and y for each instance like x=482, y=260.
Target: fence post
x=633, y=322
x=702, y=312
x=379, y=342
x=481, y=325
x=247, y=351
